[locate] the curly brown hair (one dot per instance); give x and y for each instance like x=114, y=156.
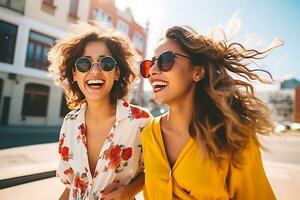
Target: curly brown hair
x=227, y=113
x=63, y=55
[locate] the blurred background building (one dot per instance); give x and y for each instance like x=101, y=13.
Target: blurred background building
x=285, y=102
x=28, y=29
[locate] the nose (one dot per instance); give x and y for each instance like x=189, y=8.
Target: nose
x=95, y=67
x=154, y=69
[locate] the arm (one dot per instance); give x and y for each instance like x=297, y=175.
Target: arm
x=249, y=180
x=118, y=191
x=65, y=195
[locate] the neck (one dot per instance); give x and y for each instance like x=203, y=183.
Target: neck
x=180, y=114
x=99, y=109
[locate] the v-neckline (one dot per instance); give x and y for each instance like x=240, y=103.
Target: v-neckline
x=182, y=151
x=101, y=149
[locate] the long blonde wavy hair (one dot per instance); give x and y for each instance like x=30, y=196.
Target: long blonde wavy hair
x=227, y=113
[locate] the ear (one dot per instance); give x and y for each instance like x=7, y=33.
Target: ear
x=199, y=73
x=74, y=75
x=117, y=75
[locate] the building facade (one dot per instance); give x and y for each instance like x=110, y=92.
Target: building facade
x=28, y=30
x=297, y=104
x=106, y=13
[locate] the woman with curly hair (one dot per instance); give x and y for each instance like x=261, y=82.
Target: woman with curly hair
x=206, y=146
x=99, y=142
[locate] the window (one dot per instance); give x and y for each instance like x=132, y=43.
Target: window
x=138, y=41
x=103, y=17
x=63, y=106
x=8, y=34
x=73, y=8
x=123, y=27
x=37, y=50
x=35, y=100
x=49, y=2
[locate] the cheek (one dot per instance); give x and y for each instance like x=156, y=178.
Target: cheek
x=182, y=74
x=181, y=79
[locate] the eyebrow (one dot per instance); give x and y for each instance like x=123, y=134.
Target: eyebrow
x=100, y=56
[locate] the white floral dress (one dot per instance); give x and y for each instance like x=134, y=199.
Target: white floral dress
x=119, y=159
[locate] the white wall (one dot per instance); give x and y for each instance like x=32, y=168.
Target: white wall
x=15, y=88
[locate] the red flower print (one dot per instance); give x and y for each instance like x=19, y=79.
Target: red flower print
x=82, y=134
x=81, y=182
x=96, y=173
x=114, y=155
x=127, y=153
x=118, y=157
x=115, y=162
x=125, y=104
x=61, y=142
x=74, y=193
x=114, y=152
x=65, y=153
x=82, y=129
x=137, y=113
x=68, y=171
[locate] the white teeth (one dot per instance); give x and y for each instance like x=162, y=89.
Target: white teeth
x=158, y=83
x=95, y=82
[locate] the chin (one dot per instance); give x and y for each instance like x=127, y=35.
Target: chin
x=160, y=100
x=96, y=98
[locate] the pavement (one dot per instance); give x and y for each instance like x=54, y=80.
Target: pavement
x=284, y=176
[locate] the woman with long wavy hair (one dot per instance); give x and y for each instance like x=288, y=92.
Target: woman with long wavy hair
x=206, y=146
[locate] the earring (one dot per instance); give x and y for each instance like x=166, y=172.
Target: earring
x=73, y=82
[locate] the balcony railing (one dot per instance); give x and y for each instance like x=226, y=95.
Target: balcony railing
x=15, y=5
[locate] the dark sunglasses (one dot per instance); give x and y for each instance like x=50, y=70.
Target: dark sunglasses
x=164, y=62
x=106, y=63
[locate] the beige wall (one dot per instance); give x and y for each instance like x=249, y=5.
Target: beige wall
x=15, y=90
x=60, y=18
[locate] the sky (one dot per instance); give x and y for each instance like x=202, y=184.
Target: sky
x=256, y=24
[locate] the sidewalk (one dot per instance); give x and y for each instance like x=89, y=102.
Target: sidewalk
x=284, y=178
x=20, y=161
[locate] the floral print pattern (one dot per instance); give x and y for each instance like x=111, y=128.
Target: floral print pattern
x=119, y=158
x=117, y=155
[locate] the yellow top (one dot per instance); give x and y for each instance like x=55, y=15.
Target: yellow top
x=194, y=177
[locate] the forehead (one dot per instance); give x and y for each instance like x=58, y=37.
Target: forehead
x=96, y=48
x=166, y=45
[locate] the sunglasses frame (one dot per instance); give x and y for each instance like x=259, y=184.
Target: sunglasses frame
x=174, y=55
x=98, y=62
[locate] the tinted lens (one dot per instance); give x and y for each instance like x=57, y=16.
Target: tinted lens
x=165, y=61
x=107, y=63
x=145, y=68
x=83, y=64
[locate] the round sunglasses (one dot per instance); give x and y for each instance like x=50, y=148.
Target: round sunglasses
x=164, y=63
x=106, y=63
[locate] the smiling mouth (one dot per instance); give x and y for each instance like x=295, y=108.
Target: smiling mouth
x=95, y=83
x=158, y=85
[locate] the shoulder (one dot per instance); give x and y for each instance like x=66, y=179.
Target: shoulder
x=74, y=114
x=152, y=127
x=72, y=119
x=138, y=113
